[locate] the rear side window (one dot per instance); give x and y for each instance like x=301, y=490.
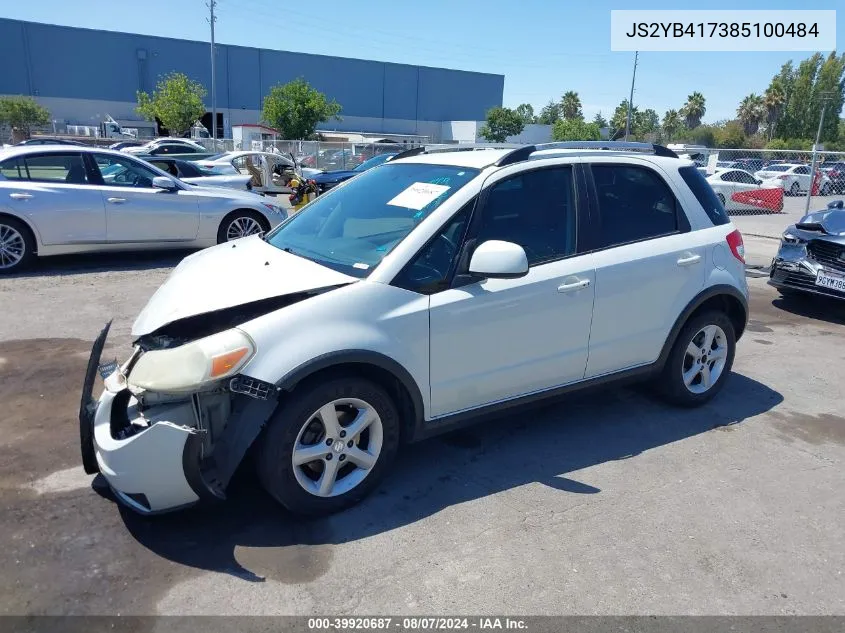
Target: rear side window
x=65, y=167
x=13, y=169
x=634, y=204
x=703, y=192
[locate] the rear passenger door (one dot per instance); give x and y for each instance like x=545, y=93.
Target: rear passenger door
x=646, y=270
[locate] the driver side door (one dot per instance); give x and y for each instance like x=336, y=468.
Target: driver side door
x=138, y=212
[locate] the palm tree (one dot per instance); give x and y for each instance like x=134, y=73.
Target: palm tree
x=672, y=124
x=774, y=101
x=751, y=113
x=693, y=110
x=570, y=105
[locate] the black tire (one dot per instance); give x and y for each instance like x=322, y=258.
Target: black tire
x=28, y=245
x=275, y=450
x=795, y=189
x=825, y=189
x=670, y=383
x=234, y=216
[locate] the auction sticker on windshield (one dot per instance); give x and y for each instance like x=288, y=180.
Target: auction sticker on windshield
x=418, y=195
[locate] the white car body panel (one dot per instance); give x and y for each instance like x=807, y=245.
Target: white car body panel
x=231, y=274
x=789, y=177
x=230, y=181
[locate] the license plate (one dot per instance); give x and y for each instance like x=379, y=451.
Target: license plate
x=828, y=279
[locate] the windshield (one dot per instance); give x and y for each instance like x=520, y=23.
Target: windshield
x=352, y=228
x=372, y=162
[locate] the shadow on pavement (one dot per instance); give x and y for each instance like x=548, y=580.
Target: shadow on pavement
x=103, y=262
x=539, y=445
x=812, y=306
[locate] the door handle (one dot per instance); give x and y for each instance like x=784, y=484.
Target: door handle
x=116, y=200
x=575, y=285
x=689, y=260
x=20, y=196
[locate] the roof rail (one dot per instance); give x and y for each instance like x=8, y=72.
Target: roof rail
x=524, y=152
x=454, y=147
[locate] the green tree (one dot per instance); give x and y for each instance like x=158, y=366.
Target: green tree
x=773, y=100
x=550, y=113
x=600, y=120
x=501, y=123
x=732, y=134
x=701, y=135
x=816, y=81
x=646, y=122
x=526, y=113
x=619, y=118
x=177, y=102
x=672, y=124
x=751, y=113
x=575, y=130
x=693, y=110
x=570, y=105
x=295, y=109
x=22, y=113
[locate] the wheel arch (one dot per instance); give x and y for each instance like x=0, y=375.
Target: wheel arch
x=36, y=236
x=375, y=366
x=265, y=223
x=721, y=297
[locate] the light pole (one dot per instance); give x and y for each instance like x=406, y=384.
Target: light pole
x=211, y=21
x=631, y=99
x=825, y=97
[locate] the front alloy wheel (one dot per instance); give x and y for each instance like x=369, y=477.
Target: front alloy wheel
x=242, y=227
x=329, y=444
x=337, y=447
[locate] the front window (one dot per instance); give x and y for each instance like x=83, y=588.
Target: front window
x=352, y=228
x=124, y=172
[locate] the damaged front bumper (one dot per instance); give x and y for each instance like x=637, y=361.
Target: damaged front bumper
x=801, y=267
x=162, y=452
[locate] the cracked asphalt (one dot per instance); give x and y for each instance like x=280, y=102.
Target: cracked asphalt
x=603, y=503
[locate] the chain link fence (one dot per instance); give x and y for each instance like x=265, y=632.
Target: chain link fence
x=759, y=182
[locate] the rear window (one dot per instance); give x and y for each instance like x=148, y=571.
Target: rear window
x=703, y=192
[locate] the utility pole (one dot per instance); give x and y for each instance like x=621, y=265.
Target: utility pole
x=825, y=97
x=631, y=99
x=211, y=4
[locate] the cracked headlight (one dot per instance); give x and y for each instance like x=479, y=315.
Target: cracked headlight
x=193, y=365
x=791, y=238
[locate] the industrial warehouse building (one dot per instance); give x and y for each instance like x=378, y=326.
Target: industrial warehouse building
x=83, y=75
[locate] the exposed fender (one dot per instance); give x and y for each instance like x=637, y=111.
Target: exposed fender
x=692, y=306
x=363, y=357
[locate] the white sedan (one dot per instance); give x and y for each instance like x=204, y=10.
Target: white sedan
x=738, y=190
x=795, y=178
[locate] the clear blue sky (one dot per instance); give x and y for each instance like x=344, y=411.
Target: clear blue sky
x=542, y=47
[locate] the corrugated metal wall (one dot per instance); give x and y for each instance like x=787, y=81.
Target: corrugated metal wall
x=57, y=61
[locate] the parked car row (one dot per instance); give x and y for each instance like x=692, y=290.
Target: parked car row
x=61, y=199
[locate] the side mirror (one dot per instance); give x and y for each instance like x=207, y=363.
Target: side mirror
x=496, y=259
x=165, y=183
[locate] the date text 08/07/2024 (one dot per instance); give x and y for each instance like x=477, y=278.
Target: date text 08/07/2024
x=416, y=624
x=722, y=29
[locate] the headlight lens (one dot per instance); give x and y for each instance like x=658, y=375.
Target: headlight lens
x=789, y=237
x=194, y=364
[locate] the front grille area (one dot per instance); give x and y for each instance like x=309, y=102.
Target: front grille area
x=827, y=254
x=803, y=281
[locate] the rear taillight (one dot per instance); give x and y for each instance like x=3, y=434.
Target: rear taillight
x=736, y=245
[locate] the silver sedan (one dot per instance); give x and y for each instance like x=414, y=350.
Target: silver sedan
x=56, y=200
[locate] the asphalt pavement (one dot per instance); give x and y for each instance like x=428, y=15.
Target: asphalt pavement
x=608, y=502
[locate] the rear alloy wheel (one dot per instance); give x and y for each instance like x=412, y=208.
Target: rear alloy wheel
x=240, y=224
x=16, y=246
x=700, y=360
x=794, y=189
x=329, y=445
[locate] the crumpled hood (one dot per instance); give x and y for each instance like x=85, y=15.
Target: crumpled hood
x=232, y=274
x=831, y=221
